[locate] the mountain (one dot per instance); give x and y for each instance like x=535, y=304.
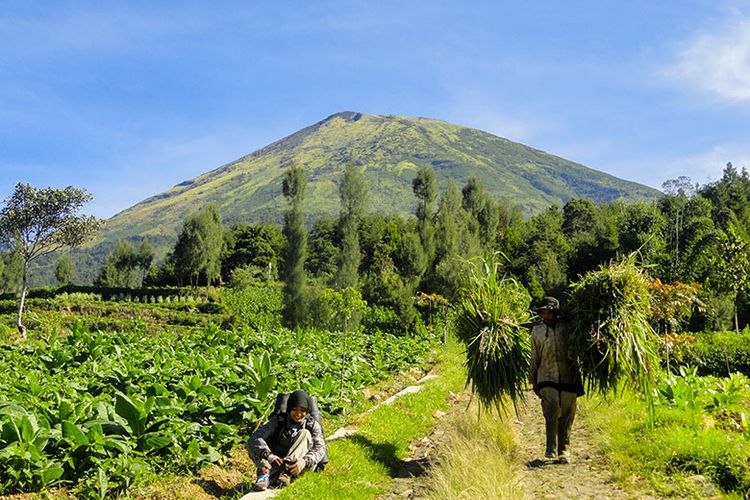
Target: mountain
x=389, y=149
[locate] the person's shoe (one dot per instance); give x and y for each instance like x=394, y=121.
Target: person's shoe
x=564, y=457
x=284, y=480
x=261, y=484
x=550, y=454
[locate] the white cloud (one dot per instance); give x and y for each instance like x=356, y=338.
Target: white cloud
x=718, y=62
x=708, y=166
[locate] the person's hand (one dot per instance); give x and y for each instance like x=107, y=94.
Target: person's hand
x=275, y=460
x=297, y=466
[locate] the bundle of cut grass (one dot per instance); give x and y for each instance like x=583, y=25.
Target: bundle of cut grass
x=612, y=336
x=492, y=319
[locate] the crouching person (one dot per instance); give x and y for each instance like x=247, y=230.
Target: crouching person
x=290, y=443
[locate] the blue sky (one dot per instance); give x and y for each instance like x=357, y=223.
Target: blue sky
x=127, y=99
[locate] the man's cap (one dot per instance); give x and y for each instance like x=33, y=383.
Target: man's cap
x=549, y=303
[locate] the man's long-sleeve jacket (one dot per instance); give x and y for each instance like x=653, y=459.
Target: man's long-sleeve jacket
x=551, y=360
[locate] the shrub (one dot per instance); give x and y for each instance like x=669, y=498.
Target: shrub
x=719, y=353
x=383, y=319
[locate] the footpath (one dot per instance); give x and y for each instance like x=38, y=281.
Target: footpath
x=392, y=451
x=586, y=476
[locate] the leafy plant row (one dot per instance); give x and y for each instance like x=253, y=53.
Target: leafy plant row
x=95, y=411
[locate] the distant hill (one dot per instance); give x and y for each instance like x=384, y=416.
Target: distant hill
x=389, y=149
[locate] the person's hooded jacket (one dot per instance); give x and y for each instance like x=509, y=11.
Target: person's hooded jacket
x=277, y=435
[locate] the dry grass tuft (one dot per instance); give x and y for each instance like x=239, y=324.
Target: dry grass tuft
x=476, y=459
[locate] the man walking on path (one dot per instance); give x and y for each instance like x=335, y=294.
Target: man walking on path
x=554, y=377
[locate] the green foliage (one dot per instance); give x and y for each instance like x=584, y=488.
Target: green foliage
x=122, y=267
x=323, y=250
x=483, y=213
x=453, y=244
x=424, y=187
x=98, y=411
x=257, y=245
x=199, y=246
x=699, y=430
x=247, y=276
x=491, y=320
x=353, y=195
x=411, y=258
x=384, y=286
x=295, y=251
x=345, y=308
x=541, y=257
x=65, y=271
x=732, y=265
x=36, y=222
x=256, y=307
x=719, y=353
x=591, y=232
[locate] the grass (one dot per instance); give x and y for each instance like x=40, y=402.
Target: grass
x=363, y=465
x=473, y=438
x=685, y=443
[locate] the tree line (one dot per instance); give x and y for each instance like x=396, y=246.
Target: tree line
x=693, y=233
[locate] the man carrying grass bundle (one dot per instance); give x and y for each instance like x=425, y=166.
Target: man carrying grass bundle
x=554, y=377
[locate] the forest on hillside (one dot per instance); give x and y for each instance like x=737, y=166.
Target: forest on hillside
x=693, y=234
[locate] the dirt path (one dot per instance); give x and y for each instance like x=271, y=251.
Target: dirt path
x=586, y=476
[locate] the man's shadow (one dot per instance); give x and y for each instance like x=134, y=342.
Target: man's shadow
x=385, y=453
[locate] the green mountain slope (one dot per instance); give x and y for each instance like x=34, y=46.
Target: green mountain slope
x=389, y=149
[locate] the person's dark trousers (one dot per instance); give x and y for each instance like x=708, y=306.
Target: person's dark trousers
x=559, y=409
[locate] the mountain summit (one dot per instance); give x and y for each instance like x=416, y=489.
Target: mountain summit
x=389, y=149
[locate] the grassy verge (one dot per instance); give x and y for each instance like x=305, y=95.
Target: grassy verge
x=688, y=454
x=475, y=441
x=363, y=465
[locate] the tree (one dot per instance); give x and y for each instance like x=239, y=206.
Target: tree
x=144, y=258
x=733, y=267
x=484, y=214
x=592, y=233
x=353, y=194
x=424, y=187
x=510, y=228
x=542, y=254
x=454, y=243
x=12, y=274
x=257, y=245
x=295, y=251
x=65, y=270
x=324, y=252
x=121, y=267
x=199, y=246
x=36, y=222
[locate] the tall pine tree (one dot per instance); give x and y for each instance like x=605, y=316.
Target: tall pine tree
x=295, y=251
x=353, y=194
x=424, y=187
